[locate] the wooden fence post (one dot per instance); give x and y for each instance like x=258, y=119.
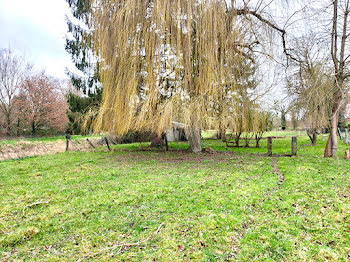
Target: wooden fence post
x=67, y=141
x=106, y=139
x=294, y=146
x=90, y=143
x=269, y=146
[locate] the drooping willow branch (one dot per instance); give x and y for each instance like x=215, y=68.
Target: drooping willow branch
x=166, y=60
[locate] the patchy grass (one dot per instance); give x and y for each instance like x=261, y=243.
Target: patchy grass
x=132, y=205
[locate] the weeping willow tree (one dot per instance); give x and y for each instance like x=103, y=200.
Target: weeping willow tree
x=233, y=97
x=164, y=61
x=247, y=119
x=313, y=99
x=260, y=125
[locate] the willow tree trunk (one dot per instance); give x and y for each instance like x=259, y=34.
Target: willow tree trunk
x=194, y=134
x=222, y=134
x=157, y=141
x=313, y=136
x=194, y=139
x=314, y=139
x=257, y=141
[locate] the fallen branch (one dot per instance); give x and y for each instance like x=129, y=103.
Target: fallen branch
x=120, y=245
x=156, y=232
x=35, y=204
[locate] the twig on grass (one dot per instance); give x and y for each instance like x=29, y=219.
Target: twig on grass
x=35, y=204
x=156, y=232
x=91, y=255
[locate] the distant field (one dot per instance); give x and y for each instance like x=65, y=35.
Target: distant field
x=205, y=134
x=142, y=205
x=213, y=133
x=285, y=133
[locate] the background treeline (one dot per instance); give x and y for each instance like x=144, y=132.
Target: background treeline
x=31, y=103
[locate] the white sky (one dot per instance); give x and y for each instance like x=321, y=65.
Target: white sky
x=37, y=29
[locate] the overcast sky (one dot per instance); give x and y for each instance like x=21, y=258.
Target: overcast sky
x=37, y=29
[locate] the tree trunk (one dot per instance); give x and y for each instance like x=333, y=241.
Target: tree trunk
x=157, y=141
x=33, y=129
x=237, y=140
x=327, y=151
x=166, y=142
x=18, y=125
x=194, y=134
x=294, y=120
x=334, y=138
x=339, y=61
x=257, y=141
x=222, y=134
x=314, y=139
x=194, y=139
x=223, y=138
x=332, y=144
x=313, y=136
x=8, y=123
x=330, y=147
x=219, y=133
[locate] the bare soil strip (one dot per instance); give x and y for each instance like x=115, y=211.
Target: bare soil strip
x=276, y=171
x=26, y=149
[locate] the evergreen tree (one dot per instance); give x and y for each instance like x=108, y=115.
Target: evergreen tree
x=79, y=46
x=78, y=107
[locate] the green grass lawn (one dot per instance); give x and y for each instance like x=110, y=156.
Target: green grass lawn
x=132, y=205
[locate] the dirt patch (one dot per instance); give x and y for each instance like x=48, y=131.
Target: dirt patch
x=276, y=171
x=175, y=155
x=27, y=148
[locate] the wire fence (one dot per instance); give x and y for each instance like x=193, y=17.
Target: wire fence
x=344, y=135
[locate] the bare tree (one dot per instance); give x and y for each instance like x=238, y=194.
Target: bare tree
x=42, y=103
x=13, y=69
x=328, y=19
x=310, y=85
x=340, y=58
x=313, y=97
